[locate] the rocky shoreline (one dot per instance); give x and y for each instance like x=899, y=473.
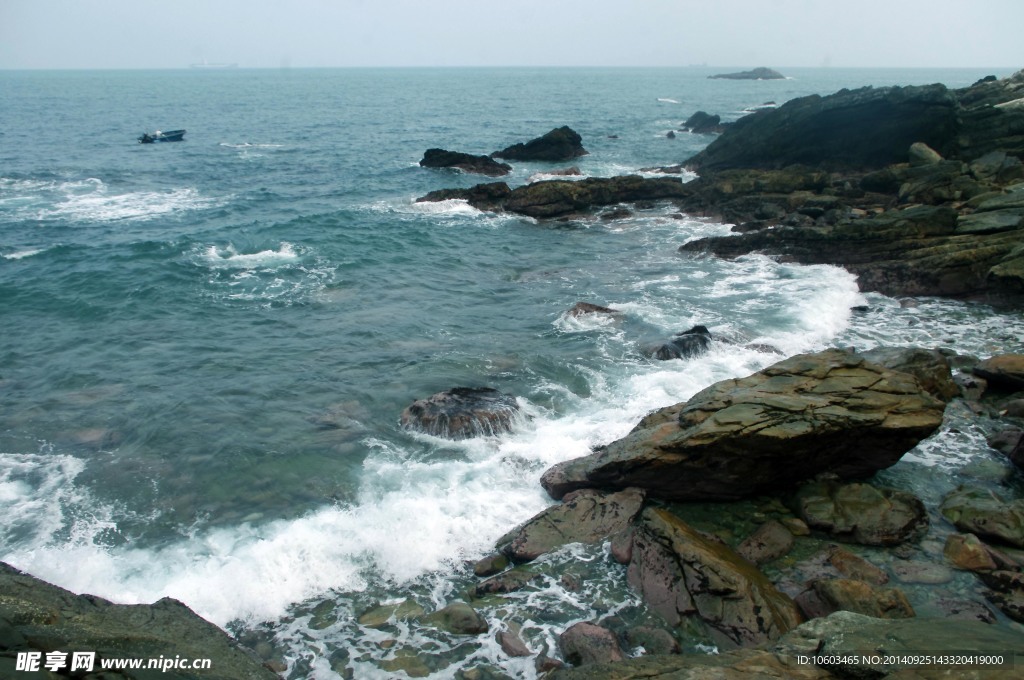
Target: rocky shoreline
x=752, y=515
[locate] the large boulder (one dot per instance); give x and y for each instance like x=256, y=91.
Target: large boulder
x=462, y=412
x=680, y=574
x=929, y=366
x=827, y=412
x=561, y=144
x=481, y=165
x=584, y=516
x=36, y=616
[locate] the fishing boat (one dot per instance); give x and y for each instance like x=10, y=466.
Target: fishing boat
x=158, y=136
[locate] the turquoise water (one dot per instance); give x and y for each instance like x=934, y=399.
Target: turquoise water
x=206, y=345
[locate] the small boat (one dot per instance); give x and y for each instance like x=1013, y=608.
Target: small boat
x=169, y=136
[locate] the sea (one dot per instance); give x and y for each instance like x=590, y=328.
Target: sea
x=205, y=346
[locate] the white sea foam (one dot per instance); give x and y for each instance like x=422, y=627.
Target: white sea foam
x=667, y=100
x=229, y=257
x=452, y=206
x=21, y=254
x=92, y=200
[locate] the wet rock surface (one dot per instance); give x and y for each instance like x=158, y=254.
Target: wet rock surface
x=462, y=412
x=827, y=412
x=681, y=574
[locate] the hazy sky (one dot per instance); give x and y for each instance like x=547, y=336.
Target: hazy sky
x=304, y=33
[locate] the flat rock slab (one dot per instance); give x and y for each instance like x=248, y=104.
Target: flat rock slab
x=833, y=411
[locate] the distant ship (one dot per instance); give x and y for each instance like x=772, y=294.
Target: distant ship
x=207, y=64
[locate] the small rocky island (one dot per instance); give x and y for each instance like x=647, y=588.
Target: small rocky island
x=760, y=73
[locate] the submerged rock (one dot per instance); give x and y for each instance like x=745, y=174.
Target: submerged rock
x=561, y=144
x=584, y=308
x=861, y=513
x=985, y=514
x=462, y=412
x=827, y=412
x=831, y=595
x=685, y=345
x=481, y=165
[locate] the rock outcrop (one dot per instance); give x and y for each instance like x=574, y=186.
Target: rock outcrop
x=462, y=412
x=827, y=412
x=917, y=190
x=861, y=513
x=559, y=198
x=480, y=165
x=561, y=144
x=36, y=616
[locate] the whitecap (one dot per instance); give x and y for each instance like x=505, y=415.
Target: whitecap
x=21, y=254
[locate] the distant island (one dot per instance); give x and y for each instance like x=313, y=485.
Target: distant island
x=761, y=73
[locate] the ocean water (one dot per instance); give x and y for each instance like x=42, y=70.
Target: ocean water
x=206, y=345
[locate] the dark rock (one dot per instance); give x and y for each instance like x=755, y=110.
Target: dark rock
x=563, y=197
x=769, y=542
x=930, y=367
x=1005, y=371
x=680, y=573
x=1006, y=591
x=685, y=345
x=462, y=412
x=584, y=516
x=512, y=644
x=582, y=308
x=671, y=134
x=481, y=165
x=912, y=251
x=488, y=196
x=703, y=123
x=760, y=73
x=42, y=617
x=561, y=144
x=491, y=565
x=458, y=618
x=506, y=582
x=827, y=412
x=1006, y=440
x=865, y=128
x=861, y=513
x=985, y=514
x=584, y=644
